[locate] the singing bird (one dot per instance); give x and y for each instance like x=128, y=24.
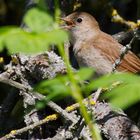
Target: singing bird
x=95, y=48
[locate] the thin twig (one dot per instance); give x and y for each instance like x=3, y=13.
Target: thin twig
x=51, y=104
x=13, y=133
x=124, y=50
x=97, y=94
x=52, y=117
x=119, y=19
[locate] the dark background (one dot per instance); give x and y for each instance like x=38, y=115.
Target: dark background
x=12, y=11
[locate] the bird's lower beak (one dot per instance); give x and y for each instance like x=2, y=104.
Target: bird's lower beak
x=68, y=24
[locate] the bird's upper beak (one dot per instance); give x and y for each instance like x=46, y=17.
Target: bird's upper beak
x=68, y=23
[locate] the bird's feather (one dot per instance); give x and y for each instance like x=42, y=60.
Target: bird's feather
x=110, y=48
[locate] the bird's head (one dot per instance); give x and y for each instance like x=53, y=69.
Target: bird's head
x=81, y=25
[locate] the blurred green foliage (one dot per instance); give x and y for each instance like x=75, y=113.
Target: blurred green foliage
x=40, y=32
x=124, y=94
x=60, y=86
x=38, y=21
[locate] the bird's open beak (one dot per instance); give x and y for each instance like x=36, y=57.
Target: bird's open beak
x=68, y=23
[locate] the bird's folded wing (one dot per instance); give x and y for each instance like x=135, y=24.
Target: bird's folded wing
x=110, y=48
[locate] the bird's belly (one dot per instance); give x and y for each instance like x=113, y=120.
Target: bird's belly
x=96, y=60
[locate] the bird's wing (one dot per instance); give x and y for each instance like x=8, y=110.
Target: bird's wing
x=110, y=48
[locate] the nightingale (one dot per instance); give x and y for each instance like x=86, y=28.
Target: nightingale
x=95, y=48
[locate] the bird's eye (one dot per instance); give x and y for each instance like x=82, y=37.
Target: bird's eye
x=79, y=20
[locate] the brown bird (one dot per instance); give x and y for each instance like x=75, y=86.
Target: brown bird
x=94, y=48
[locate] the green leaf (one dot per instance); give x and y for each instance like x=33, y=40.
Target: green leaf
x=18, y=40
x=85, y=74
x=38, y=40
x=56, y=87
x=37, y=20
x=55, y=36
x=60, y=86
x=40, y=104
x=41, y=4
x=124, y=95
x=107, y=80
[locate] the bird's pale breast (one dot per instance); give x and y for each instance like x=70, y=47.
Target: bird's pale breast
x=91, y=57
